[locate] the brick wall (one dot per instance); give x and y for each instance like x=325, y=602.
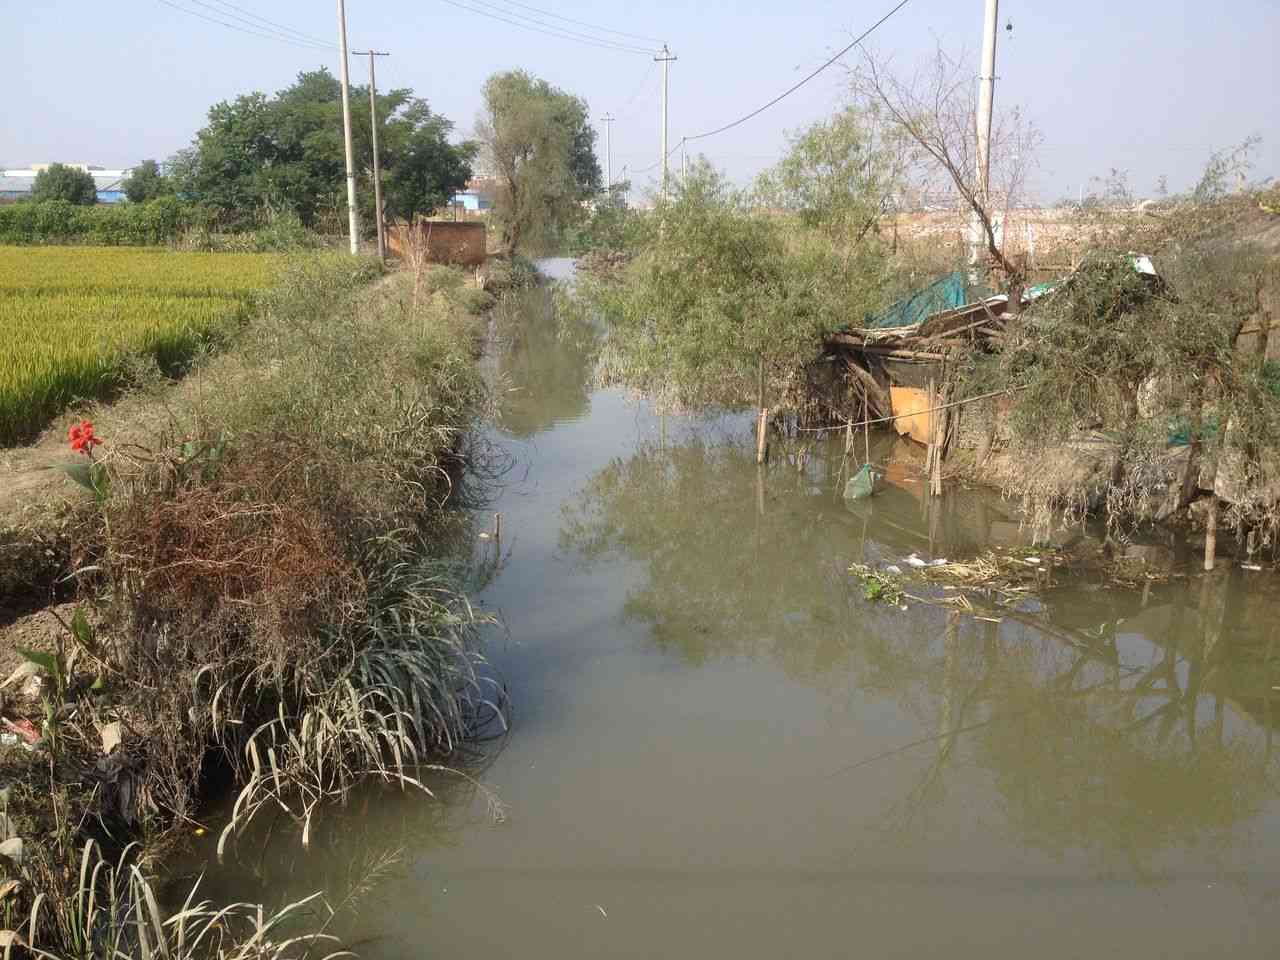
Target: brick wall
x=447, y=241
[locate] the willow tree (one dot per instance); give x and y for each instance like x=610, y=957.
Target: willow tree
x=841, y=175
x=536, y=140
x=725, y=304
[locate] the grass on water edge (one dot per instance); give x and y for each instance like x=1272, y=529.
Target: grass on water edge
x=261, y=588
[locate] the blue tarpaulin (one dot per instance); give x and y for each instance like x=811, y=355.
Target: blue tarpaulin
x=946, y=293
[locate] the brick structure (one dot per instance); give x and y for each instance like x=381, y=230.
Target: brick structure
x=447, y=241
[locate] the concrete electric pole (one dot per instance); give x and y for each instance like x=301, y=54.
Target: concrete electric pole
x=377, y=167
x=352, y=216
x=665, y=59
x=986, y=96
x=608, y=119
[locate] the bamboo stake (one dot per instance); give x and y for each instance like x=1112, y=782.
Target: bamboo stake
x=932, y=432
x=938, y=428
x=1211, y=534
x=866, y=428
x=760, y=434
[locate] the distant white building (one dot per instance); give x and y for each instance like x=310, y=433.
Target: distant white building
x=16, y=184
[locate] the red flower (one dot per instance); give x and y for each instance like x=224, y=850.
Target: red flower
x=81, y=437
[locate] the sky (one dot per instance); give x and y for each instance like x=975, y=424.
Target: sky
x=1147, y=88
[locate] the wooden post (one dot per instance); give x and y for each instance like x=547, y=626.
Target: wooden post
x=1211, y=534
x=938, y=437
x=866, y=427
x=762, y=426
x=929, y=448
x=763, y=422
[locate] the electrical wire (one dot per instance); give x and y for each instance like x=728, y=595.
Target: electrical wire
x=271, y=23
x=654, y=166
x=550, y=30
x=644, y=84
x=251, y=32
x=792, y=89
x=291, y=35
x=582, y=23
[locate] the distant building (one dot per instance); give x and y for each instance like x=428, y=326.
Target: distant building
x=478, y=196
x=16, y=185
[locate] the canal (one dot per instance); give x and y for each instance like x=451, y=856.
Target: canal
x=719, y=747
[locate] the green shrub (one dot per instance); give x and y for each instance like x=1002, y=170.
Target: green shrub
x=124, y=224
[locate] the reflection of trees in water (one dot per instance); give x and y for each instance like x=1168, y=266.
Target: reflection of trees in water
x=725, y=579
x=545, y=360
x=1147, y=733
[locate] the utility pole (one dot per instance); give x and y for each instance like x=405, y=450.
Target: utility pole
x=608, y=151
x=353, y=219
x=377, y=168
x=665, y=59
x=684, y=166
x=986, y=95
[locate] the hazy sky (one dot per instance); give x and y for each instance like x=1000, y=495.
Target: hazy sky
x=1150, y=88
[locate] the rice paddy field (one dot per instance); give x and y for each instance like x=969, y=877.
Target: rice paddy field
x=74, y=319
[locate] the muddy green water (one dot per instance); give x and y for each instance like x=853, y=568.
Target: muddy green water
x=719, y=748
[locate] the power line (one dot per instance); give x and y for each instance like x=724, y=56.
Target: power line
x=644, y=84
x=281, y=32
x=582, y=23
x=792, y=89
x=251, y=32
x=658, y=162
x=272, y=23
x=546, y=28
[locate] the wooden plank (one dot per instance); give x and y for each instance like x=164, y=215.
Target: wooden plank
x=899, y=353
x=879, y=396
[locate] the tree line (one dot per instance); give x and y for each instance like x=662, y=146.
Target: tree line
x=259, y=156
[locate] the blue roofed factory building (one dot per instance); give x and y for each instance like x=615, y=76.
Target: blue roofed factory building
x=16, y=183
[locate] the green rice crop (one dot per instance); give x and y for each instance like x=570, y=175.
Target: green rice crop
x=73, y=319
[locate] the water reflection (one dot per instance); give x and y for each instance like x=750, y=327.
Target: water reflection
x=1121, y=722
x=543, y=362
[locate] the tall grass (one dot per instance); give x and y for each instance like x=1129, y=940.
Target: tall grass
x=114, y=911
x=272, y=587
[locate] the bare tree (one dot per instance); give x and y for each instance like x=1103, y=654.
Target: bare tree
x=936, y=110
